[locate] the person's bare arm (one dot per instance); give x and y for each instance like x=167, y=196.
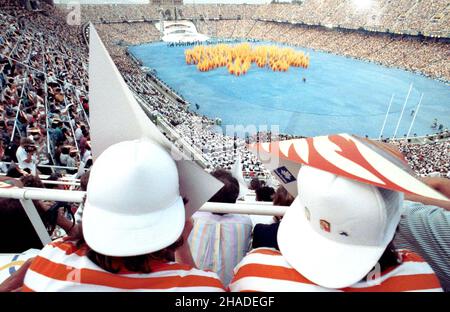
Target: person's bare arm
x=441, y=185
x=14, y=283
x=72, y=230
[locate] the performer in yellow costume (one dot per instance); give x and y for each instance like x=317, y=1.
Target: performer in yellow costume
x=239, y=58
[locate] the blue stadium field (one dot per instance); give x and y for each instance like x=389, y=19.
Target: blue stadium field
x=340, y=94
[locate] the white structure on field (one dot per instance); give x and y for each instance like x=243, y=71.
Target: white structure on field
x=180, y=31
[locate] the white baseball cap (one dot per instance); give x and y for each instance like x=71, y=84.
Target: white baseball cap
x=133, y=204
x=337, y=229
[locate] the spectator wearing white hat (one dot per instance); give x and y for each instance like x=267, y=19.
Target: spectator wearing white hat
x=134, y=227
x=336, y=236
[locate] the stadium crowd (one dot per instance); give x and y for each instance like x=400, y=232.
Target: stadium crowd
x=430, y=18
x=67, y=100
x=429, y=159
x=218, y=252
x=406, y=16
x=419, y=54
x=45, y=108
x=44, y=85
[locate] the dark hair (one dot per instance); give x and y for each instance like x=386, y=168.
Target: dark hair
x=282, y=197
x=16, y=230
x=138, y=264
x=30, y=148
x=388, y=259
x=31, y=181
x=50, y=217
x=53, y=177
x=13, y=172
x=88, y=164
x=264, y=194
x=230, y=191
x=256, y=183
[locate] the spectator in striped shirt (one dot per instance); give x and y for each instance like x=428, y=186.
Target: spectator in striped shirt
x=336, y=236
x=219, y=241
x=425, y=229
x=133, y=229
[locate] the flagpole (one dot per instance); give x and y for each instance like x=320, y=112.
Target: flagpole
x=403, y=109
x=385, y=118
x=415, y=114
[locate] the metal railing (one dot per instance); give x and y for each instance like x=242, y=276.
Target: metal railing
x=27, y=195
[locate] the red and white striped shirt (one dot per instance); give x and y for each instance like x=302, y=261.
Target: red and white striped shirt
x=61, y=266
x=265, y=269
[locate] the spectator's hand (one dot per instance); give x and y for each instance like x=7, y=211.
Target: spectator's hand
x=74, y=231
x=14, y=283
x=441, y=185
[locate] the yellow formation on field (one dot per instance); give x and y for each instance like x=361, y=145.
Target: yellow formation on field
x=239, y=58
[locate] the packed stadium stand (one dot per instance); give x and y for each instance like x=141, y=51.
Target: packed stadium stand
x=45, y=128
x=65, y=58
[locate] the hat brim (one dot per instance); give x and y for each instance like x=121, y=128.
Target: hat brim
x=324, y=262
x=119, y=235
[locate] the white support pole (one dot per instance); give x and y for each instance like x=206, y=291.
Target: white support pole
x=36, y=221
x=415, y=114
x=385, y=118
x=244, y=208
x=403, y=109
x=42, y=194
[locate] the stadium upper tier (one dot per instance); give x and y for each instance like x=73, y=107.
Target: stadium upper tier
x=427, y=17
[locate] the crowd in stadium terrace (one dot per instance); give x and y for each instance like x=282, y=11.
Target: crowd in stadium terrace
x=44, y=102
x=426, y=56
x=215, y=252
x=219, y=150
x=427, y=17
x=116, y=36
x=425, y=160
x=399, y=16
x=44, y=115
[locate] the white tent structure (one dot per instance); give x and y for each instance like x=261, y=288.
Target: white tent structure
x=180, y=31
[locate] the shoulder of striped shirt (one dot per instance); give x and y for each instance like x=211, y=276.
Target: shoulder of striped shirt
x=60, y=263
x=253, y=274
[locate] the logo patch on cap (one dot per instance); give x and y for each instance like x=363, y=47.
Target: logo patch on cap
x=325, y=226
x=284, y=175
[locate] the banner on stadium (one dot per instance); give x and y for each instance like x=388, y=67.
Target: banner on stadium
x=344, y=155
x=116, y=116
